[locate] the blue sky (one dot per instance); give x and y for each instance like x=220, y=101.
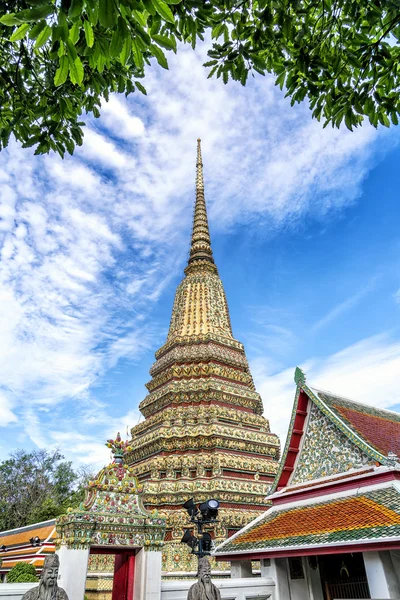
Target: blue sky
x=304, y=225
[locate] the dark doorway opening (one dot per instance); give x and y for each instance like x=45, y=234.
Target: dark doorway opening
x=343, y=576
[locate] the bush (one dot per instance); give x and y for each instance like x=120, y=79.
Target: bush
x=22, y=573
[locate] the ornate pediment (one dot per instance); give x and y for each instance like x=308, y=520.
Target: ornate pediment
x=112, y=512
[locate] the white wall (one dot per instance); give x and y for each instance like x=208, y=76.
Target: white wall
x=382, y=578
x=254, y=588
x=15, y=591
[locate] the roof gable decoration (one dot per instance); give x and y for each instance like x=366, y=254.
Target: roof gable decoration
x=325, y=451
x=112, y=513
x=291, y=456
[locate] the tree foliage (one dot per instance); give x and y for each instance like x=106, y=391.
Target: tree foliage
x=343, y=55
x=22, y=572
x=37, y=486
x=59, y=58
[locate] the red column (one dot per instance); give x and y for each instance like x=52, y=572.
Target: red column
x=130, y=577
x=124, y=567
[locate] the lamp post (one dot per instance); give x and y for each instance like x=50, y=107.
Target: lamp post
x=205, y=514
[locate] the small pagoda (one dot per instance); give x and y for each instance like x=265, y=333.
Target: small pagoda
x=204, y=435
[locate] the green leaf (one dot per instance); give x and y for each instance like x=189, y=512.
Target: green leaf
x=126, y=51
x=137, y=54
x=117, y=40
x=71, y=50
x=159, y=55
x=43, y=37
x=76, y=72
x=74, y=32
x=141, y=87
x=163, y=10
x=139, y=17
x=9, y=20
x=62, y=71
x=36, y=29
x=107, y=13
x=89, y=35
x=383, y=119
x=75, y=10
x=149, y=7
x=280, y=80
x=165, y=42
x=35, y=14
x=20, y=32
x=348, y=119
x=92, y=11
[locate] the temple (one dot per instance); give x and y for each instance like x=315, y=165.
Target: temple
x=204, y=434
x=333, y=530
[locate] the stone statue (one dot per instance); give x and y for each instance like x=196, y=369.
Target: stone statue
x=204, y=589
x=48, y=588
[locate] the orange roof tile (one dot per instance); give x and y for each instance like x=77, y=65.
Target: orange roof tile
x=368, y=516
x=22, y=535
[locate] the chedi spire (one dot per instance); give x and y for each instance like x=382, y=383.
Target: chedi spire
x=200, y=248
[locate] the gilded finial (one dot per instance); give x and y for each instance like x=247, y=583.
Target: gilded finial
x=299, y=377
x=201, y=244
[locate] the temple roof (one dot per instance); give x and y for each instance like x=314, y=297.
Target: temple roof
x=351, y=519
x=372, y=432
x=377, y=427
x=20, y=549
x=337, y=483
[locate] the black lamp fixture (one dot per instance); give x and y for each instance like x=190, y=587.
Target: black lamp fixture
x=3, y=548
x=206, y=543
x=190, y=507
x=35, y=541
x=189, y=539
x=205, y=514
x=209, y=509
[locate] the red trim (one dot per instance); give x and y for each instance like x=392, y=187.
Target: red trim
x=334, y=487
x=294, y=444
x=110, y=550
x=196, y=377
x=311, y=551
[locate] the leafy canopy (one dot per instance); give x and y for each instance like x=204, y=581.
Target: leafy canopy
x=22, y=573
x=59, y=58
x=37, y=486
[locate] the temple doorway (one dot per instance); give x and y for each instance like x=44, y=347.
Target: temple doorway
x=343, y=576
x=124, y=569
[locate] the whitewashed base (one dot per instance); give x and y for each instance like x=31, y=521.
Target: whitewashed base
x=15, y=591
x=254, y=588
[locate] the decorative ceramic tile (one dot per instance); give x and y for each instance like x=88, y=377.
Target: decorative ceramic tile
x=326, y=450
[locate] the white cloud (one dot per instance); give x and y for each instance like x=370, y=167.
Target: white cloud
x=89, y=243
x=117, y=119
x=101, y=150
x=344, y=306
x=366, y=372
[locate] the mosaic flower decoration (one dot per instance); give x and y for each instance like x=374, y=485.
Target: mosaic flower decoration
x=118, y=447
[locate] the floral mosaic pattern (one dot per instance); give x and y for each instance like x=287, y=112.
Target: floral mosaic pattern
x=326, y=451
x=111, y=514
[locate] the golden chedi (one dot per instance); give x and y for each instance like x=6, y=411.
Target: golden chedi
x=204, y=435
